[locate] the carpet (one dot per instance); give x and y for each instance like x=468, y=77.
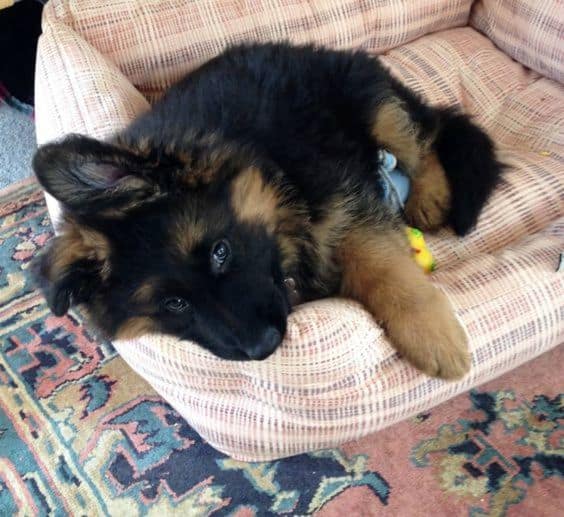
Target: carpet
x=17, y=139
x=81, y=434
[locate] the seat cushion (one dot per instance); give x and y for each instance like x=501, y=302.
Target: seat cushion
x=155, y=43
x=530, y=31
x=336, y=377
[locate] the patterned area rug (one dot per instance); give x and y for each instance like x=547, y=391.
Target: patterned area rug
x=81, y=434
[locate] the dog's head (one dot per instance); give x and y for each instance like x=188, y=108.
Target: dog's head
x=184, y=243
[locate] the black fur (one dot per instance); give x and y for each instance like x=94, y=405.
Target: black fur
x=468, y=157
x=302, y=116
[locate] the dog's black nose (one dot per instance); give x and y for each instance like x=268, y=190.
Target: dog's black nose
x=267, y=343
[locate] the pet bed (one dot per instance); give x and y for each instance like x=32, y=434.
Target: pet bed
x=336, y=378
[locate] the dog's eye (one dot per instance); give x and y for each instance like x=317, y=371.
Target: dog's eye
x=220, y=256
x=176, y=305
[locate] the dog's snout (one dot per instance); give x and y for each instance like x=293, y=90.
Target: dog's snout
x=266, y=344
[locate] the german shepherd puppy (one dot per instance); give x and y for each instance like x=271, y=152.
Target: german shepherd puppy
x=253, y=180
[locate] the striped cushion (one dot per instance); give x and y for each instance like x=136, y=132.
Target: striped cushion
x=155, y=43
x=336, y=377
x=531, y=31
x=138, y=49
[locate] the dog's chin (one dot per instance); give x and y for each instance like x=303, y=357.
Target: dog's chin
x=236, y=354
x=229, y=355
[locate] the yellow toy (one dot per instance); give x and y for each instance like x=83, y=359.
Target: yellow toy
x=422, y=254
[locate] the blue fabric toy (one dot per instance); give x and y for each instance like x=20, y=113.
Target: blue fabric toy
x=395, y=183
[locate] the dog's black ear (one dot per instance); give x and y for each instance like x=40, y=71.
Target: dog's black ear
x=72, y=268
x=73, y=286
x=87, y=175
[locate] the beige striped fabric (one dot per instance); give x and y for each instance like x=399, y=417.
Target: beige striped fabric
x=155, y=42
x=530, y=31
x=335, y=378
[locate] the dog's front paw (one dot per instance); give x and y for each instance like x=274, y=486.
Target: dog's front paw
x=431, y=338
x=428, y=205
x=427, y=211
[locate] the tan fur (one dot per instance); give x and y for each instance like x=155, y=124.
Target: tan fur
x=202, y=176
x=182, y=156
x=186, y=233
x=394, y=129
x=255, y=201
x=80, y=243
x=193, y=174
x=379, y=272
x=143, y=146
x=293, y=223
x=135, y=327
x=289, y=250
x=327, y=232
x=205, y=170
x=144, y=293
x=429, y=199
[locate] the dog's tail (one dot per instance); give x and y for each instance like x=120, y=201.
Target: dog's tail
x=469, y=159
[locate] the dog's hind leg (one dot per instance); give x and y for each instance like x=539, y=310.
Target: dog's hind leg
x=378, y=271
x=412, y=142
x=451, y=161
